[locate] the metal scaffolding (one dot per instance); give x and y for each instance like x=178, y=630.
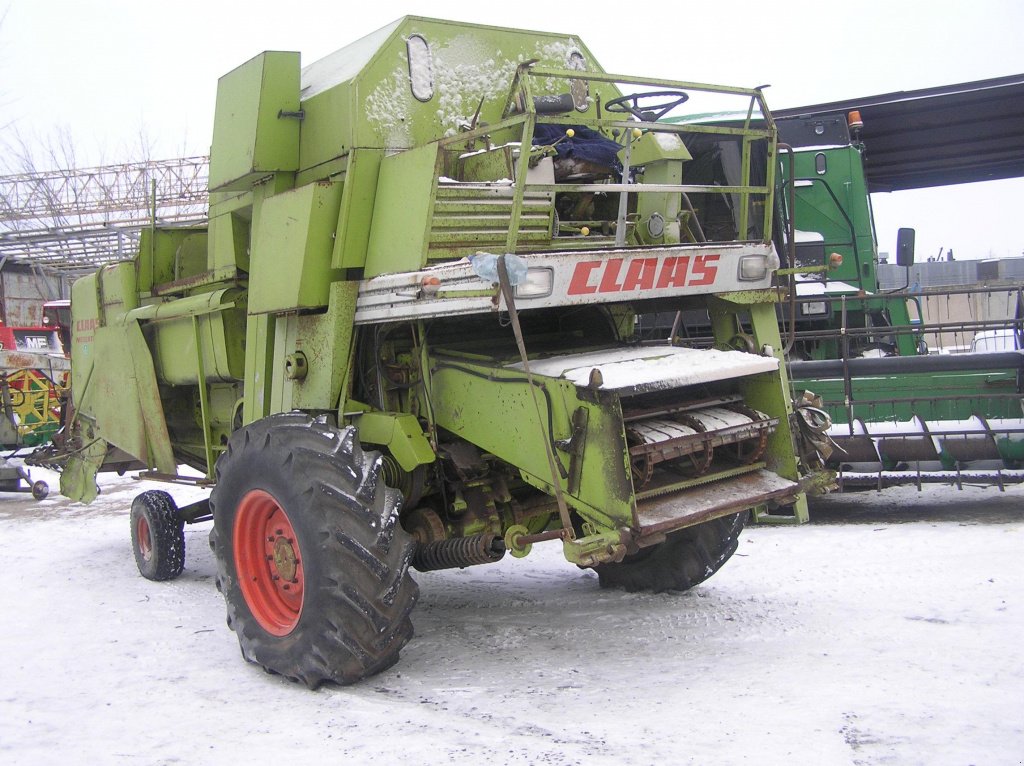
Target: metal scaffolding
x=74, y=221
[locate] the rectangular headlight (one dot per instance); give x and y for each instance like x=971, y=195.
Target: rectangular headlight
x=753, y=268
x=539, y=283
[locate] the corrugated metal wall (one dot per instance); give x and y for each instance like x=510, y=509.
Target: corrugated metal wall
x=23, y=292
x=951, y=273
x=1004, y=276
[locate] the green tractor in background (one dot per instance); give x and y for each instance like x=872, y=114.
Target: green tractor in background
x=408, y=338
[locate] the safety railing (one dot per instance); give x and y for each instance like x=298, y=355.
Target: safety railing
x=746, y=196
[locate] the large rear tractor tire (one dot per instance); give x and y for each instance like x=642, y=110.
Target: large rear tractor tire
x=312, y=561
x=686, y=558
x=158, y=536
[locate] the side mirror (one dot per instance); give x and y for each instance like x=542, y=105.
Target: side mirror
x=905, y=247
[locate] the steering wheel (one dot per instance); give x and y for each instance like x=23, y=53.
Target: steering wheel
x=670, y=99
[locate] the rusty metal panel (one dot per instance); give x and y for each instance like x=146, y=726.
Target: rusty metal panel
x=23, y=295
x=660, y=516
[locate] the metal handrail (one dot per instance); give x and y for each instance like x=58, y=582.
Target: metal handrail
x=527, y=118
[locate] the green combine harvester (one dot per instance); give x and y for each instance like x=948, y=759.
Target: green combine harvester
x=883, y=408
x=900, y=415
x=407, y=338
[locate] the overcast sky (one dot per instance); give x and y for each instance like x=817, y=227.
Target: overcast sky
x=111, y=72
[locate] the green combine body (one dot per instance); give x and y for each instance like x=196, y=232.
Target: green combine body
x=864, y=351
x=407, y=337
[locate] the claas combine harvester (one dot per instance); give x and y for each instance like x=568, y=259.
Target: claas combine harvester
x=406, y=339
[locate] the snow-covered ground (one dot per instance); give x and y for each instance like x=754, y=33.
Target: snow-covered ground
x=887, y=633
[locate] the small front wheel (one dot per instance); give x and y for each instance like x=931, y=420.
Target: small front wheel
x=40, y=490
x=158, y=536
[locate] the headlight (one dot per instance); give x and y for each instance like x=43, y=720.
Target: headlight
x=539, y=283
x=814, y=308
x=753, y=268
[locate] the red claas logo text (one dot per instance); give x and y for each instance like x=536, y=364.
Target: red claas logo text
x=609, y=276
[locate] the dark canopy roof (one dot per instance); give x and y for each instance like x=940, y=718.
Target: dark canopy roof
x=953, y=134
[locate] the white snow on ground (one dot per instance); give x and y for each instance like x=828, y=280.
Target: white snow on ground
x=891, y=634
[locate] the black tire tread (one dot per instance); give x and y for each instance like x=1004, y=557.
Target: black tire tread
x=685, y=559
x=167, y=530
x=359, y=594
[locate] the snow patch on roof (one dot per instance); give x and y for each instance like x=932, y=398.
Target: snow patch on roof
x=389, y=105
x=465, y=70
x=343, y=64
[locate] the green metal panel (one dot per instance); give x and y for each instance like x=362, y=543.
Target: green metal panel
x=160, y=252
x=665, y=205
x=357, y=205
x=932, y=396
x=494, y=409
x=834, y=203
x=324, y=340
x=331, y=102
x=280, y=386
x=229, y=242
x=78, y=479
x=362, y=96
x=328, y=129
x=400, y=433
x=98, y=299
x=190, y=256
x=259, y=360
x=292, y=242
x=763, y=392
x=657, y=147
x=253, y=134
x=401, y=212
x=84, y=322
x=117, y=290
x=221, y=326
x=470, y=63
x=121, y=400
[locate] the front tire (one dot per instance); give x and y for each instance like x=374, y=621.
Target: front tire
x=158, y=536
x=686, y=558
x=312, y=561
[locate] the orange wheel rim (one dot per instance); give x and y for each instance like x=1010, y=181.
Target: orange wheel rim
x=267, y=560
x=145, y=537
